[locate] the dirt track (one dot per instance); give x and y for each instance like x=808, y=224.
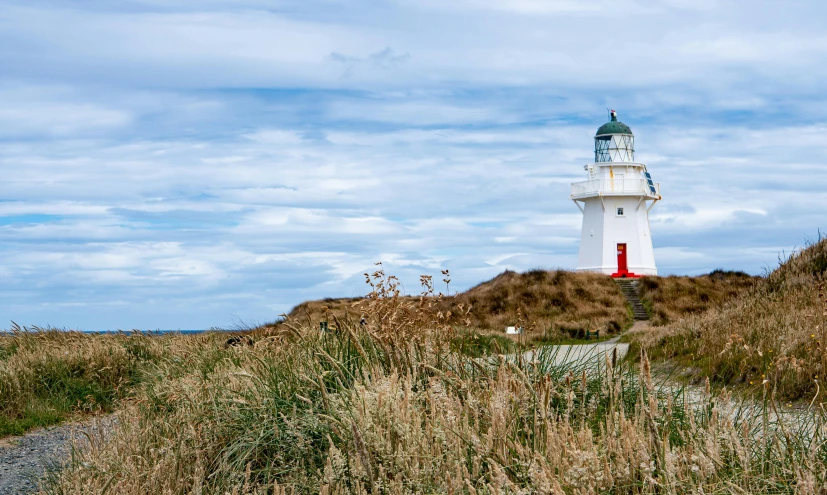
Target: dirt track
x=24, y=460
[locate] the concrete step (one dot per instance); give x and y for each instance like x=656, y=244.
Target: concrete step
x=629, y=290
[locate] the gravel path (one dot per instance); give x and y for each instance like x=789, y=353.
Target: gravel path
x=586, y=354
x=24, y=460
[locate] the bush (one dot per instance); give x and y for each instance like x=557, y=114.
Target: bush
x=535, y=300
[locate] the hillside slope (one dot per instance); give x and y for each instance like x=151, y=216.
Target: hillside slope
x=668, y=299
x=555, y=304
x=543, y=302
x=775, y=331
x=379, y=410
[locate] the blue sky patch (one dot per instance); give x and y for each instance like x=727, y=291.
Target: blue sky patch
x=29, y=219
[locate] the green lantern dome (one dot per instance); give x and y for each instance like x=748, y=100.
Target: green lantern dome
x=614, y=142
x=614, y=127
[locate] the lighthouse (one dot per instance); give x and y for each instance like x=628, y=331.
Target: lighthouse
x=615, y=201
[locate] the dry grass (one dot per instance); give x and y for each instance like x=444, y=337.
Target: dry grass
x=49, y=375
x=774, y=331
x=310, y=313
x=558, y=302
x=668, y=299
x=388, y=408
x=550, y=305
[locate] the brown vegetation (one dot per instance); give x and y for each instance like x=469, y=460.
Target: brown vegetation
x=560, y=302
x=50, y=375
x=550, y=305
x=386, y=407
x=311, y=313
x=774, y=331
x=668, y=299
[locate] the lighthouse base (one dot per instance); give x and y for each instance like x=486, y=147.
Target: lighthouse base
x=612, y=271
x=614, y=239
x=625, y=274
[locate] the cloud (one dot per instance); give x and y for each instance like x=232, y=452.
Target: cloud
x=54, y=112
x=477, y=42
x=178, y=164
x=384, y=60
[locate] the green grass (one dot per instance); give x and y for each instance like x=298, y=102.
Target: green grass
x=346, y=411
x=48, y=375
x=58, y=393
x=35, y=416
x=475, y=344
x=7, y=349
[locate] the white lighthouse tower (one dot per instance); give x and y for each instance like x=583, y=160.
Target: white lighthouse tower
x=615, y=202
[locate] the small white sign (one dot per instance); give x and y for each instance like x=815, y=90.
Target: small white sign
x=513, y=330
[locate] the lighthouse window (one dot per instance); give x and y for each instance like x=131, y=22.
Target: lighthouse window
x=620, y=212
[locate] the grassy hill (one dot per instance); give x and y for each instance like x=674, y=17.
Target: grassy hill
x=774, y=330
x=393, y=408
x=545, y=301
x=549, y=305
x=554, y=305
x=668, y=299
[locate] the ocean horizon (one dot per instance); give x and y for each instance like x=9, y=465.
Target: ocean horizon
x=187, y=331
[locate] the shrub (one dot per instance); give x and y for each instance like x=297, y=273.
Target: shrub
x=536, y=300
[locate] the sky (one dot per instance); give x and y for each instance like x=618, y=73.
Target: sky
x=188, y=165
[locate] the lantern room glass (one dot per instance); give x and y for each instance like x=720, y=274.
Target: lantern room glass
x=614, y=148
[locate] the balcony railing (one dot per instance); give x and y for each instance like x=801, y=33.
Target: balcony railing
x=611, y=187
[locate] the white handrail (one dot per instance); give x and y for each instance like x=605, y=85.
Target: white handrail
x=614, y=186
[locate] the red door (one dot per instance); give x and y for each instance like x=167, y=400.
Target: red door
x=622, y=267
